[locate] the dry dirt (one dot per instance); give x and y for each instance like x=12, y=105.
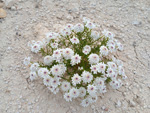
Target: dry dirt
x=28, y=20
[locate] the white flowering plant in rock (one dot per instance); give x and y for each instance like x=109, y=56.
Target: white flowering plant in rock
x=79, y=61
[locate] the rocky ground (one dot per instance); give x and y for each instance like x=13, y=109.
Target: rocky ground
x=28, y=20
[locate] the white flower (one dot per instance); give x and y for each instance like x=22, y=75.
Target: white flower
x=82, y=91
x=104, y=50
x=94, y=69
x=93, y=58
x=86, y=49
x=76, y=79
x=47, y=81
x=51, y=88
x=85, y=102
x=110, y=72
x=42, y=72
x=56, y=70
x=104, y=32
x=51, y=35
x=120, y=46
x=111, y=48
x=74, y=93
x=76, y=59
x=101, y=67
x=120, y=70
x=78, y=28
x=54, y=45
x=63, y=68
x=32, y=75
x=56, y=90
x=111, y=42
x=92, y=99
x=68, y=53
x=124, y=77
x=58, y=77
x=57, y=54
x=85, y=52
x=99, y=82
x=91, y=89
x=35, y=48
x=34, y=67
x=54, y=82
x=102, y=89
x=45, y=41
x=48, y=60
x=108, y=34
x=69, y=26
x=26, y=61
x=66, y=32
x=87, y=77
x=90, y=25
x=116, y=84
x=74, y=40
x=65, y=86
x=117, y=61
x=112, y=65
x=40, y=43
x=86, y=20
x=114, y=76
x=95, y=35
x=67, y=97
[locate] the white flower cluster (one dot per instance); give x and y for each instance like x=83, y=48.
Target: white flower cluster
x=75, y=63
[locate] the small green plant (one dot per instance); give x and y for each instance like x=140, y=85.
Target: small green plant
x=79, y=61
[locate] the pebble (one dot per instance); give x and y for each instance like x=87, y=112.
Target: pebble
x=118, y=103
x=13, y=8
x=1, y=5
x=106, y=109
x=10, y=3
x=103, y=107
x=2, y=13
x=137, y=23
x=132, y=103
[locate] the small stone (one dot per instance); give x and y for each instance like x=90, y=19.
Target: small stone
x=118, y=104
x=106, y=109
x=69, y=17
x=132, y=103
x=2, y=13
x=103, y=107
x=13, y=8
x=136, y=23
x=10, y=3
x=1, y=5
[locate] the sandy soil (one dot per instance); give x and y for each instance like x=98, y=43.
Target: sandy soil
x=29, y=19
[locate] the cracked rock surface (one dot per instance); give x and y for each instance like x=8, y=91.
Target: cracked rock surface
x=29, y=20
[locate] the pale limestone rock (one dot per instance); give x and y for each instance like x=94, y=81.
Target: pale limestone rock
x=2, y=13
x=1, y=4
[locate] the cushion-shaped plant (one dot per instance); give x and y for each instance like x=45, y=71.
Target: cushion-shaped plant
x=79, y=61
